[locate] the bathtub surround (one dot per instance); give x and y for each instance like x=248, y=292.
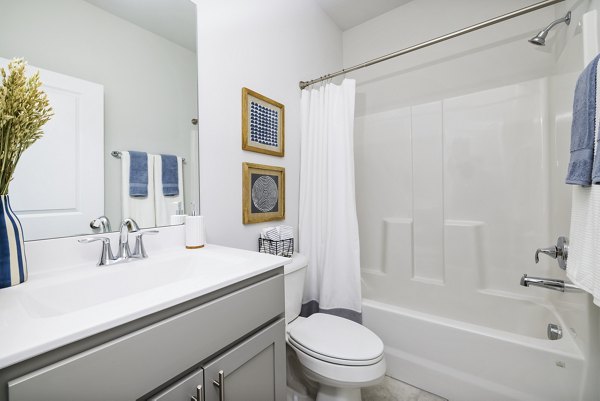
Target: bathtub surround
x=426, y=123
x=328, y=227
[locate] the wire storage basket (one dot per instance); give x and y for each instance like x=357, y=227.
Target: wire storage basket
x=284, y=247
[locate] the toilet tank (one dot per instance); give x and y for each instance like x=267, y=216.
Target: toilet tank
x=294, y=274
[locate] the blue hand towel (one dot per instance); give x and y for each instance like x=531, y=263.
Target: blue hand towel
x=170, y=175
x=583, y=126
x=138, y=174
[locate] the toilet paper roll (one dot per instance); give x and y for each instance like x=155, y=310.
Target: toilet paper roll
x=194, y=232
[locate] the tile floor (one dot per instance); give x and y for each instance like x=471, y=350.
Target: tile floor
x=394, y=390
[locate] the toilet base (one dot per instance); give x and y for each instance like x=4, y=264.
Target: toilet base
x=329, y=393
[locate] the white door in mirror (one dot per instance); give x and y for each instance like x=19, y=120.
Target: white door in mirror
x=58, y=187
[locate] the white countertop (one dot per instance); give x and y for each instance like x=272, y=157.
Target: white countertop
x=58, y=306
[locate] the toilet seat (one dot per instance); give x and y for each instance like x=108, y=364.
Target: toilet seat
x=342, y=376
x=335, y=340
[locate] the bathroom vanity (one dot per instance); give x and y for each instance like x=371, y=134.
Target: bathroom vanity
x=206, y=324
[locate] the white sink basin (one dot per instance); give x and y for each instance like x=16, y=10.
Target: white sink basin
x=68, y=298
x=98, y=285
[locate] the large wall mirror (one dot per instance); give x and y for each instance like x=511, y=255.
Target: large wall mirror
x=121, y=77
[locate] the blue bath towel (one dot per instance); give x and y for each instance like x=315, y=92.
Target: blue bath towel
x=170, y=175
x=582, y=128
x=138, y=174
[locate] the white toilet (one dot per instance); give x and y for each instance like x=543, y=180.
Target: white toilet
x=340, y=355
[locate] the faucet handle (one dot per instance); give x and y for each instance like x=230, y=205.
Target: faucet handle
x=106, y=256
x=139, y=251
x=560, y=252
x=550, y=251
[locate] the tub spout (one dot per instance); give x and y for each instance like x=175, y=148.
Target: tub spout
x=549, y=283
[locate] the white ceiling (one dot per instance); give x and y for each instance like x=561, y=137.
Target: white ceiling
x=350, y=13
x=174, y=20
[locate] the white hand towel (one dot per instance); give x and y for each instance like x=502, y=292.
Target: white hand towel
x=583, y=266
x=164, y=205
x=139, y=209
x=286, y=232
x=271, y=233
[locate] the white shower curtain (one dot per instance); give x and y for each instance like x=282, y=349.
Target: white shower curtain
x=328, y=226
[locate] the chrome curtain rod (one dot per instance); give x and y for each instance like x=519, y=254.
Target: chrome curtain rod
x=118, y=154
x=472, y=28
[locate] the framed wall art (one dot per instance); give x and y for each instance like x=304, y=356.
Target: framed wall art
x=262, y=124
x=263, y=197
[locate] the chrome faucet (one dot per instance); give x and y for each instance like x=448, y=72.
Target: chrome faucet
x=124, y=253
x=551, y=284
x=139, y=251
x=101, y=225
x=128, y=225
x=560, y=252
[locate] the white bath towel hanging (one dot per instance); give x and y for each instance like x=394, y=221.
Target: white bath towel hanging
x=328, y=225
x=583, y=266
x=140, y=209
x=165, y=205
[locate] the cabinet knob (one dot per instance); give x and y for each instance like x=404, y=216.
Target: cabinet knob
x=221, y=385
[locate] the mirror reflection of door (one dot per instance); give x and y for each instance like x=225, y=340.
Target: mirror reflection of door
x=121, y=76
x=58, y=184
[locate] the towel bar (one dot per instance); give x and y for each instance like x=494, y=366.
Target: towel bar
x=117, y=154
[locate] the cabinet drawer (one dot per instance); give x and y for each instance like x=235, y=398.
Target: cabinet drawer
x=130, y=366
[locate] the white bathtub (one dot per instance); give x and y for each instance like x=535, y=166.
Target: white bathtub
x=498, y=356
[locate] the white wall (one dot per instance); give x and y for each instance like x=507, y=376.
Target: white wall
x=149, y=82
x=267, y=46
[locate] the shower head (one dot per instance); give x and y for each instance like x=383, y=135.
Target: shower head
x=540, y=38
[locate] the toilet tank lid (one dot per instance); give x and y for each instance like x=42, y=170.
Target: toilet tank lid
x=299, y=261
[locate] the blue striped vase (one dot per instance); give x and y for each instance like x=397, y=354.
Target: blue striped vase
x=13, y=265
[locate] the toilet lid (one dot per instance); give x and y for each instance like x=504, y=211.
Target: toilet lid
x=336, y=340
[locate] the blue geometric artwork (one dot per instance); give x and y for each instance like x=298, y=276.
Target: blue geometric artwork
x=263, y=128
x=264, y=125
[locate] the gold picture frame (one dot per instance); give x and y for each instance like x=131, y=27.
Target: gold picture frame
x=263, y=193
x=263, y=124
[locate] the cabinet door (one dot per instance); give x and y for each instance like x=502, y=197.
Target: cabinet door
x=184, y=390
x=129, y=366
x=252, y=371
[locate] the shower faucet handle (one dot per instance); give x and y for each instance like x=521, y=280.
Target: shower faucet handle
x=550, y=251
x=560, y=252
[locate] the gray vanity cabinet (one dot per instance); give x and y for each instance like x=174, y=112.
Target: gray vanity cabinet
x=240, y=332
